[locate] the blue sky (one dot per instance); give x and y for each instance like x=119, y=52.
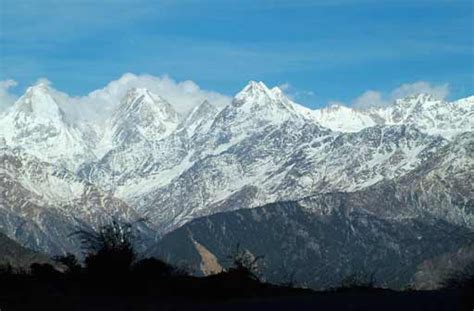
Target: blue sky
x=320, y=51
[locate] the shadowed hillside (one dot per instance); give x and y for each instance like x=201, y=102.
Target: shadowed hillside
x=12, y=253
x=114, y=277
x=317, y=249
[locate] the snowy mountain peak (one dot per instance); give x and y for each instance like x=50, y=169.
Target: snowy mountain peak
x=420, y=97
x=257, y=96
x=420, y=100
x=341, y=118
x=143, y=115
x=200, y=117
x=38, y=103
x=137, y=96
x=37, y=125
x=424, y=111
x=204, y=110
x=259, y=90
x=255, y=85
x=144, y=104
x=254, y=91
x=278, y=93
x=40, y=86
x=335, y=107
x=205, y=105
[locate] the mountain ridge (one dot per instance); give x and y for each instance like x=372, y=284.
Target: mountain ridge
x=259, y=149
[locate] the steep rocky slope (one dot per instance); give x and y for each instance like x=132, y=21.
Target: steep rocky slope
x=393, y=229
x=149, y=161
x=430, y=115
x=37, y=125
x=42, y=205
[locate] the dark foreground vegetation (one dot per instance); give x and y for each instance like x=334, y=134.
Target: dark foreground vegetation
x=112, y=278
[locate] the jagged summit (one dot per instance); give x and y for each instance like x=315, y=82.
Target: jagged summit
x=38, y=102
x=259, y=91
x=257, y=98
x=141, y=98
x=145, y=106
x=256, y=106
x=424, y=111
x=200, y=116
x=418, y=101
x=342, y=118
x=37, y=125
x=204, y=106
x=253, y=90
x=142, y=115
x=418, y=97
x=261, y=148
x=253, y=85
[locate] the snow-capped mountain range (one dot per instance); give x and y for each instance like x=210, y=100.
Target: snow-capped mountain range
x=148, y=160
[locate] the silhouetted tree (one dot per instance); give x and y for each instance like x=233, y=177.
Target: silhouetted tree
x=244, y=263
x=109, y=250
x=70, y=262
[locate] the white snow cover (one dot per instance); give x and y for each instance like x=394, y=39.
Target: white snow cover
x=260, y=147
x=431, y=115
x=36, y=124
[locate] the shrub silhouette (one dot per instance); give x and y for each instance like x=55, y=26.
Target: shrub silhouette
x=114, y=279
x=70, y=262
x=109, y=250
x=244, y=264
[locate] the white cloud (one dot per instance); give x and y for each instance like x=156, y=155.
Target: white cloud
x=373, y=98
x=6, y=98
x=295, y=94
x=285, y=87
x=335, y=103
x=438, y=91
x=369, y=99
x=99, y=104
x=44, y=81
x=183, y=96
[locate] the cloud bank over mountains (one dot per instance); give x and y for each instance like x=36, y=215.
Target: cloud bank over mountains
x=373, y=98
x=6, y=98
x=185, y=95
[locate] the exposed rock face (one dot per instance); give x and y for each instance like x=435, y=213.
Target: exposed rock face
x=42, y=205
x=37, y=124
x=320, y=241
x=209, y=263
x=264, y=148
x=409, y=161
x=396, y=229
x=430, y=115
